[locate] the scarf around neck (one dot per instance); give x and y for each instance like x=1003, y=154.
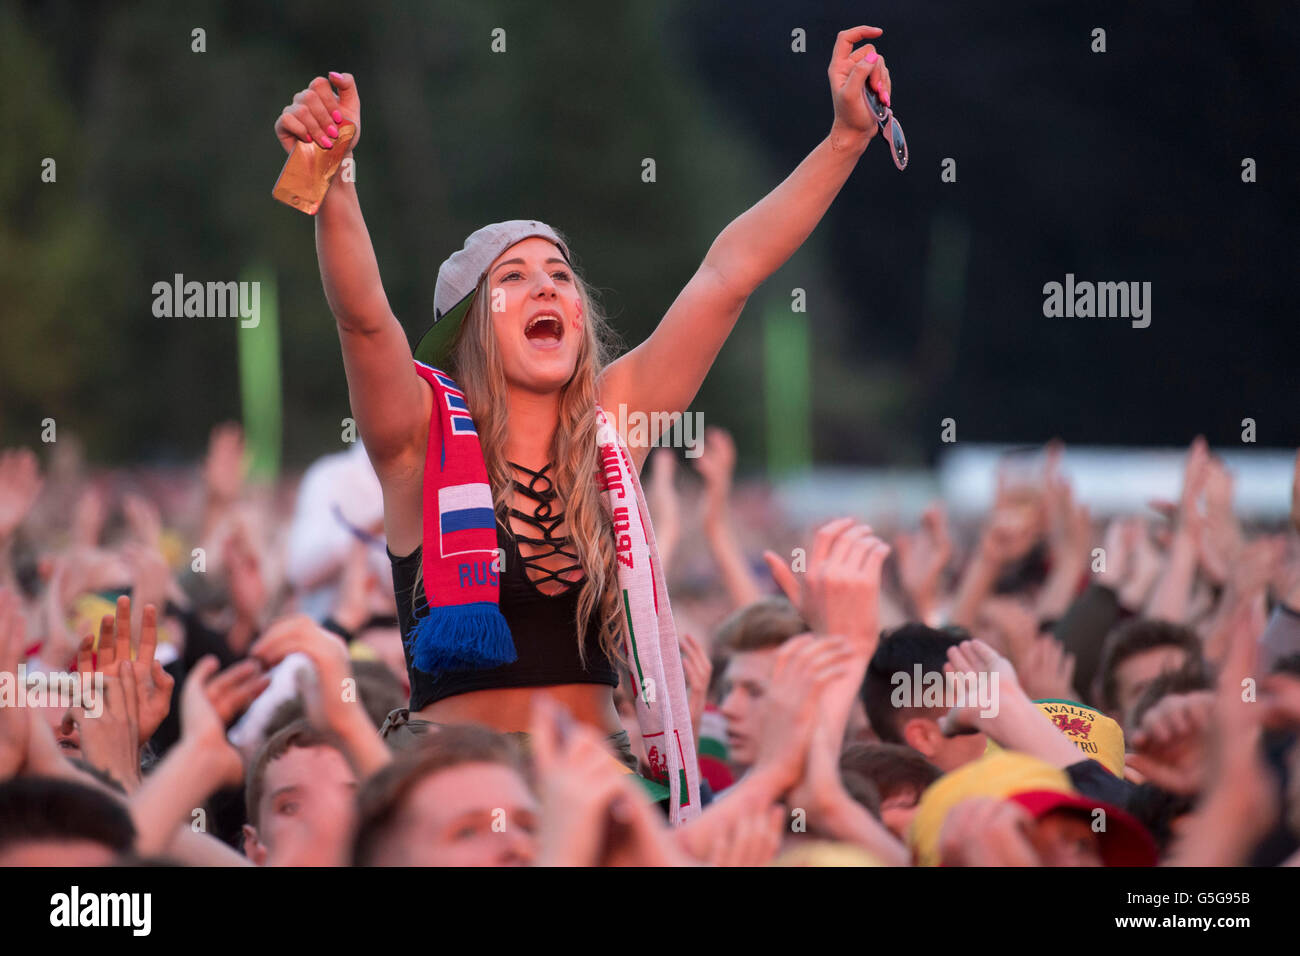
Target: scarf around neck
x=465, y=630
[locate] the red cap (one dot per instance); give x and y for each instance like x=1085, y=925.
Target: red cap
x=1124, y=842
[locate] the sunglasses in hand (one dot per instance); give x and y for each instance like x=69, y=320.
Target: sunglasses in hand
x=890, y=126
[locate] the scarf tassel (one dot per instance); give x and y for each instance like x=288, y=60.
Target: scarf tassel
x=461, y=637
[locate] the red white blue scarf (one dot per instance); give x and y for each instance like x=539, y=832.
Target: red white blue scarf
x=464, y=628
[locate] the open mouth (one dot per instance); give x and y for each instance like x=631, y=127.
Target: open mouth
x=544, y=329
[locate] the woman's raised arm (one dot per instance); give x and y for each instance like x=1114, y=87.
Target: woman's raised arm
x=389, y=401
x=664, y=372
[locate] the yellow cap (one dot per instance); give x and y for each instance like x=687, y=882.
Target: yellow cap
x=1097, y=735
x=998, y=775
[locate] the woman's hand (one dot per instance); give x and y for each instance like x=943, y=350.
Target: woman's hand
x=850, y=72
x=317, y=112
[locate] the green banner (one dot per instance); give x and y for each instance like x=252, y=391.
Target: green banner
x=787, y=390
x=259, y=375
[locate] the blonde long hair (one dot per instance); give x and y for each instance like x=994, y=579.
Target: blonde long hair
x=477, y=368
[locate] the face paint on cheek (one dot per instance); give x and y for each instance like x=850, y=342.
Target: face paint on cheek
x=576, y=324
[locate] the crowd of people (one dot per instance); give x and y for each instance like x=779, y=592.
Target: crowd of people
x=1039, y=689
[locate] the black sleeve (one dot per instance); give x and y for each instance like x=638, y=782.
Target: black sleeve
x=1093, y=780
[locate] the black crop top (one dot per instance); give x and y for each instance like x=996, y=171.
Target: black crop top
x=544, y=626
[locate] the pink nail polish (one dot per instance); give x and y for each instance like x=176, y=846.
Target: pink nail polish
x=332, y=131
x=327, y=143
x=871, y=57
x=884, y=95
x=338, y=117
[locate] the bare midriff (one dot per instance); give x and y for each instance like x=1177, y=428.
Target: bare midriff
x=509, y=709
x=551, y=566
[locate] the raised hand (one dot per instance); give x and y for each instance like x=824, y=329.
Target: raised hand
x=850, y=72
x=665, y=504
x=317, y=112
x=206, y=698
x=1047, y=671
x=20, y=484
x=1132, y=562
x=717, y=465
x=231, y=691
x=1221, y=539
x=151, y=684
x=202, y=762
x=821, y=789
x=1014, y=523
x=151, y=578
x=1256, y=564
x=1240, y=802
x=226, y=463
x=13, y=720
x=1196, y=475
x=922, y=558
x=328, y=706
x=1068, y=529
x=1012, y=527
x=1069, y=532
x=699, y=671
x=1169, y=598
x=328, y=655
x=110, y=740
x=1015, y=627
x=144, y=520
x=840, y=600
x=1170, y=747
x=88, y=517
x=841, y=592
x=804, y=668
x=975, y=658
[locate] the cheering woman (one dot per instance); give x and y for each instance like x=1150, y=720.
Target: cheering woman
x=523, y=557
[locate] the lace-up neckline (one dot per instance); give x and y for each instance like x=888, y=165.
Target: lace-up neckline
x=541, y=490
